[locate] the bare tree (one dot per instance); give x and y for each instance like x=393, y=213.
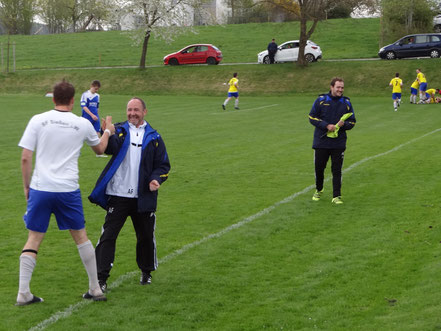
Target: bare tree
x=164, y=18
x=314, y=11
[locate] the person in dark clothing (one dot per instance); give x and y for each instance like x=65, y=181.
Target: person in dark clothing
x=128, y=186
x=332, y=115
x=272, y=50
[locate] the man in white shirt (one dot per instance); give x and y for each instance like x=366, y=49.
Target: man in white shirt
x=128, y=186
x=57, y=137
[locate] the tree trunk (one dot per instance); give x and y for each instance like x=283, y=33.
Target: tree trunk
x=144, y=50
x=86, y=24
x=301, y=61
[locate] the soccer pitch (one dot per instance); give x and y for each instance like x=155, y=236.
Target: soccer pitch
x=241, y=244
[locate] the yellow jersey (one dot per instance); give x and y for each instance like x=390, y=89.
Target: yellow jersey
x=396, y=84
x=421, y=78
x=233, y=84
x=415, y=84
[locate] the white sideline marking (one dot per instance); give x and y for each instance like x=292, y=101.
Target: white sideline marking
x=222, y=112
x=69, y=310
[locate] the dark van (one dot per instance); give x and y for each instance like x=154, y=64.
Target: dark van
x=416, y=45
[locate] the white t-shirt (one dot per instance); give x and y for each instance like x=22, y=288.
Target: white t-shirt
x=124, y=182
x=58, y=137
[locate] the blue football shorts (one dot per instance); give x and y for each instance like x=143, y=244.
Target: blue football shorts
x=396, y=96
x=423, y=87
x=413, y=91
x=66, y=206
x=233, y=94
x=96, y=124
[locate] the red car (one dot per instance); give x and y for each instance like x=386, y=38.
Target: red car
x=194, y=54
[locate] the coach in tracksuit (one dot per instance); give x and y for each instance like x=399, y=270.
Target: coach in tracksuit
x=128, y=186
x=326, y=115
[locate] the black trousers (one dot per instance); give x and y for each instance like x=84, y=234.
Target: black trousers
x=271, y=56
x=144, y=223
x=321, y=158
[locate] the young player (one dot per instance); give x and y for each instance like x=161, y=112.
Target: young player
x=421, y=78
x=414, y=91
x=430, y=96
x=233, y=92
x=90, y=101
x=396, y=84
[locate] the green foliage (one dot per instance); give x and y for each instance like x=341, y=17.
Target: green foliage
x=401, y=17
x=17, y=15
x=369, y=264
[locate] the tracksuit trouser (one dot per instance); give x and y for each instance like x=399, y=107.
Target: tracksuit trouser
x=321, y=157
x=119, y=208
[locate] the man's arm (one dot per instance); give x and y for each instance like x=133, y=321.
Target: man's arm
x=87, y=110
x=161, y=166
x=109, y=129
x=26, y=170
x=314, y=116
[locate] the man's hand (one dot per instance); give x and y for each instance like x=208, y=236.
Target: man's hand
x=154, y=185
x=340, y=123
x=108, y=124
x=330, y=127
x=94, y=117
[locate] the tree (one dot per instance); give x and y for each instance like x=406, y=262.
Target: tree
x=312, y=10
x=164, y=18
x=401, y=17
x=17, y=15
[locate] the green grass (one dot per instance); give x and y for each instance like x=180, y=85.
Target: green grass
x=239, y=43
x=368, y=78
x=302, y=265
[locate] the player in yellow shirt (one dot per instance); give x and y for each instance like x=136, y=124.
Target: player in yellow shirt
x=396, y=84
x=421, y=78
x=430, y=96
x=414, y=91
x=233, y=92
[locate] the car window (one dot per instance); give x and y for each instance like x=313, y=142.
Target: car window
x=203, y=48
x=408, y=40
x=189, y=50
x=421, y=39
x=289, y=45
x=295, y=45
x=435, y=39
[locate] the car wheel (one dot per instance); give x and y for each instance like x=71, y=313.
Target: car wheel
x=434, y=53
x=390, y=55
x=211, y=60
x=266, y=60
x=309, y=57
x=173, y=62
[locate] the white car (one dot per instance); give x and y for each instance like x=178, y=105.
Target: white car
x=289, y=52
x=437, y=23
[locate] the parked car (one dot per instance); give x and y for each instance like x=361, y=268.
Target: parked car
x=416, y=45
x=194, y=54
x=289, y=52
x=437, y=23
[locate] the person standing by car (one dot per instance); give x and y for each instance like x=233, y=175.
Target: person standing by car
x=332, y=115
x=396, y=84
x=128, y=186
x=272, y=50
x=421, y=78
x=232, y=92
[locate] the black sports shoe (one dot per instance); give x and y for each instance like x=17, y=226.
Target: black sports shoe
x=236, y=108
x=33, y=300
x=89, y=296
x=103, y=285
x=223, y=106
x=146, y=278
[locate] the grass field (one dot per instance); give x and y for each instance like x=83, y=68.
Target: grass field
x=289, y=263
x=239, y=43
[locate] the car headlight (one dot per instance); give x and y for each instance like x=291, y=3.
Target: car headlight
x=381, y=50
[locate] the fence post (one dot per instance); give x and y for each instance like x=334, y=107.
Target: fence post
x=13, y=56
x=1, y=51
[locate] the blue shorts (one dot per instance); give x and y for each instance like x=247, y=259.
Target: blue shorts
x=66, y=206
x=423, y=87
x=413, y=91
x=428, y=96
x=396, y=96
x=233, y=94
x=96, y=124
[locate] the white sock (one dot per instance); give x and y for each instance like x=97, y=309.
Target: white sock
x=225, y=102
x=395, y=104
x=87, y=254
x=27, y=265
x=399, y=101
x=236, y=103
